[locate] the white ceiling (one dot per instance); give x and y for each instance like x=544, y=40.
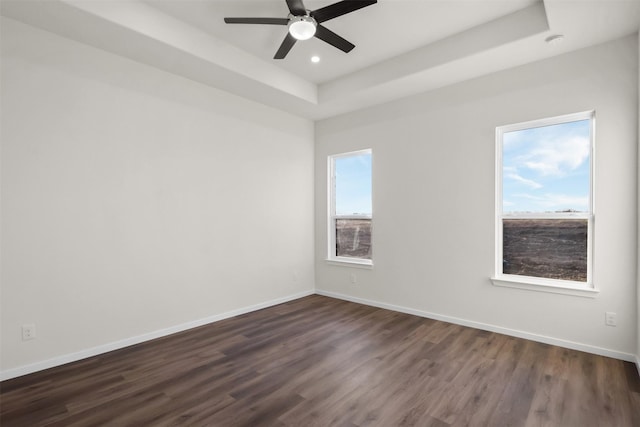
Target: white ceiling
x=402, y=46
x=381, y=31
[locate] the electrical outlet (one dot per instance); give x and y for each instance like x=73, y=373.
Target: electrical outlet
x=28, y=332
x=610, y=318
x=354, y=278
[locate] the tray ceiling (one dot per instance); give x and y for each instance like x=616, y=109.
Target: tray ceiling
x=402, y=46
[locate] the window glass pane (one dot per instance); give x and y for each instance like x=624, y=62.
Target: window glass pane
x=353, y=238
x=353, y=184
x=546, y=169
x=549, y=248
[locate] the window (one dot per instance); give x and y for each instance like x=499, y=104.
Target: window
x=544, y=202
x=350, y=207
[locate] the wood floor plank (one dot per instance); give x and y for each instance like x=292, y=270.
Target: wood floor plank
x=318, y=361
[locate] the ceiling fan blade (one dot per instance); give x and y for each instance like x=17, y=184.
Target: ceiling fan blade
x=296, y=7
x=339, y=9
x=269, y=21
x=326, y=35
x=285, y=47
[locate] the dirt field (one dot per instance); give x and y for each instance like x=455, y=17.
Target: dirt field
x=353, y=238
x=549, y=248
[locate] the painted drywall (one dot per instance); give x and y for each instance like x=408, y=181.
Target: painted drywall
x=433, y=198
x=638, y=239
x=134, y=200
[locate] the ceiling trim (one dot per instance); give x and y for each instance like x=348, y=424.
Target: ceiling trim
x=146, y=34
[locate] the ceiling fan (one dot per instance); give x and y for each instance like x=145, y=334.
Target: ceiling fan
x=304, y=24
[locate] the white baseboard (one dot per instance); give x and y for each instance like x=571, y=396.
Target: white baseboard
x=94, y=351
x=491, y=328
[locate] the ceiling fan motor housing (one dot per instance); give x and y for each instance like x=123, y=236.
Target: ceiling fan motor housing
x=302, y=27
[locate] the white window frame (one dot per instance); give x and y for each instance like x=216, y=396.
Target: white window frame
x=567, y=287
x=331, y=256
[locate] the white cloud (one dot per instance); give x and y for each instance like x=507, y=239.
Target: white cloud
x=528, y=182
x=557, y=157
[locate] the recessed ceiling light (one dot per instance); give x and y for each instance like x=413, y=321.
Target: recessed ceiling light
x=555, y=39
x=315, y=59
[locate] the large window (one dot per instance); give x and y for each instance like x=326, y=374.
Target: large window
x=350, y=207
x=544, y=201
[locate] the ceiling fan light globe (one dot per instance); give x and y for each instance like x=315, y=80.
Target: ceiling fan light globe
x=302, y=27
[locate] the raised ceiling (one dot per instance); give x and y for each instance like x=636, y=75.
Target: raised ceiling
x=381, y=31
x=402, y=46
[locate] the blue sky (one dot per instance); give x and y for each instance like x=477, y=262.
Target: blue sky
x=353, y=184
x=546, y=169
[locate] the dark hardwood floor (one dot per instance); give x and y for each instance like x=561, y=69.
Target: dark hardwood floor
x=319, y=361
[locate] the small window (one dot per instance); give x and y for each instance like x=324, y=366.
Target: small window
x=350, y=207
x=544, y=201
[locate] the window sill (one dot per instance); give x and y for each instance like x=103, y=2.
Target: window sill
x=351, y=262
x=543, y=285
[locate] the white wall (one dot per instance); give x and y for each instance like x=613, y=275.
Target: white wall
x=638, y=239
x=433, y=197
x=134, y=200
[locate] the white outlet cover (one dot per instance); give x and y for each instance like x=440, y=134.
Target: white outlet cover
x=28, y=332
x=610, y=318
